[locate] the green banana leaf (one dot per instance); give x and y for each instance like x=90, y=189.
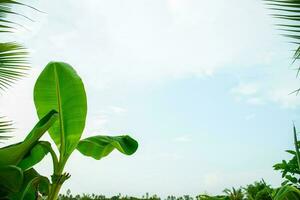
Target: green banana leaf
x=59, y=87
x=11, y=178
x=287, y=193
x=35, y=155
x=100, y=146
x=13, y=154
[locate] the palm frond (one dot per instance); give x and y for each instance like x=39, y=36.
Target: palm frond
x=5, y=127
x=288, y=12
x=7, y=25
x=13, y=56
x=13, y=63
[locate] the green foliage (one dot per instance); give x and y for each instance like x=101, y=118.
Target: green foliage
x=13, y=56
x=256, y=189
x=207, y=197
x=60, y=88
x=235, y=194
x=69, y=196
x=287, y=11
x=288, y=14
x=100, y=146
x=286, y=193
x=11, y=178
x=259, y=190
x=15, y=157
x=290, y=170
x=19, y=181
x=35, y=155
x=5, y=127
x=32, y=185
x=14, y=154
x=13, y=63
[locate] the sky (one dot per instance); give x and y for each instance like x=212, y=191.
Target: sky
x=204, y=86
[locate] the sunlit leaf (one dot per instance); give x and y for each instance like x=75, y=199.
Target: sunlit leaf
x=59, y=87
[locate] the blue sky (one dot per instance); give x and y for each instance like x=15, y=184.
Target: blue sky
x=203, y=87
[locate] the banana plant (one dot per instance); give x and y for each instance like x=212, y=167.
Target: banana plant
x=17, y=158
x=60, y=88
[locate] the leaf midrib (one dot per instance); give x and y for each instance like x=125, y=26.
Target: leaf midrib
x=60, y=113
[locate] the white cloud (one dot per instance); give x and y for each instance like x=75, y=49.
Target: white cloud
x=183, y=138
x=169, y=156
x=158, y=40
x=96, y=124
x=282, y=97
x=274, y=87
x=117, y=109
x=255, y=101
x=249, y=93
x=246, y=89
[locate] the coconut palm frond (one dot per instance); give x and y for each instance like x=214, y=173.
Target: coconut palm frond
x=13, y=63
x=7, y=25
x=288, y=13
x=13, y=56
x=5, y=127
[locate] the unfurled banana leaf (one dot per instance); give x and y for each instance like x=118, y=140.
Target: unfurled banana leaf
x=33, y=185
x=100, y=146
x=59, y=87
x=287, y=193
x=13, y=154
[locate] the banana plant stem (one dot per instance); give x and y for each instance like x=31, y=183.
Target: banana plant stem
x=54, y=191
x=58, y=180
